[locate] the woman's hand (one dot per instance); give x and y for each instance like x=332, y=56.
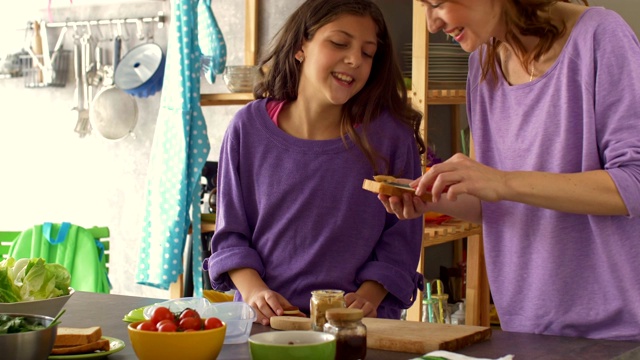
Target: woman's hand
x=461, y=175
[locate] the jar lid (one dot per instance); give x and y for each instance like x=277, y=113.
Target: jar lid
x=328, y=292
x=344, y=314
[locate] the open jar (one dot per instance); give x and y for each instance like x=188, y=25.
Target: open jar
x=321, y=301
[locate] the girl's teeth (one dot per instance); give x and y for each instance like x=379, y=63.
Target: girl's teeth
x=456, y=32
x=343, y=77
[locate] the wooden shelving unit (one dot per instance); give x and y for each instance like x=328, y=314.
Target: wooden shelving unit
x=477, y=290
x=250, y=58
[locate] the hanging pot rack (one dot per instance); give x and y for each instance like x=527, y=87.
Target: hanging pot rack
x=159, y=19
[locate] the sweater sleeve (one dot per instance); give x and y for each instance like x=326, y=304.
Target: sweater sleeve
x=396, y=255
x=230, y=244
x=617, y=110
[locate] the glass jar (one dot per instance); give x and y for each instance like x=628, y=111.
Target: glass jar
x=350, y=332
x=321, y=301
x=439, y=305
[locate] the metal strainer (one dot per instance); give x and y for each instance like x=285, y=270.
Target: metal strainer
x=114, y=113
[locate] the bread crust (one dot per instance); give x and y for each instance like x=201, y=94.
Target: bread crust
x=99, y=345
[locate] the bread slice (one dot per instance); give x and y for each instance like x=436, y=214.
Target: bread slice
x=290, y=323
x=68, y=336
x=99, y=345
x=392, y=189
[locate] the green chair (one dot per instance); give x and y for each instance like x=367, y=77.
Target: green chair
x=85, y=252
x=6, y=239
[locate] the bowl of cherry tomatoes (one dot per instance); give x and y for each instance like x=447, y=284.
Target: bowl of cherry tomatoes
x=177, y=335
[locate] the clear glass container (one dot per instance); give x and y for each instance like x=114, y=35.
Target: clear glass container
x=350, y=332
x=321, y=301
x=439, y=312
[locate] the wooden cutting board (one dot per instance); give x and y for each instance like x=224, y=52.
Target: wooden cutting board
x=419, y=337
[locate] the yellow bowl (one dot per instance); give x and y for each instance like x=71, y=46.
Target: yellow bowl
x=192, y=345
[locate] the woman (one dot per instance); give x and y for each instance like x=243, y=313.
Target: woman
x=552, y=103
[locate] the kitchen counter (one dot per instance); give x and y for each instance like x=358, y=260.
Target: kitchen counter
x=89, y=309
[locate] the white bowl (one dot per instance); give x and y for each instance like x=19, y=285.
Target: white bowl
x=48, y=307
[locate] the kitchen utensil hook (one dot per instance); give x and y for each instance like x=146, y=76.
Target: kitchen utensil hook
x=140, y=29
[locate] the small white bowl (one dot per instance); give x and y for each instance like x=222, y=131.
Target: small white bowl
x=48, y=307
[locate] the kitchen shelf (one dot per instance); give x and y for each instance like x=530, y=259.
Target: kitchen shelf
x=435, y=234
x=225, y=99
x=477, y=285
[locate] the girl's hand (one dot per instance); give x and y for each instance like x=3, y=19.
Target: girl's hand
x=267, y=303
x=405, y=207
x=355, y=301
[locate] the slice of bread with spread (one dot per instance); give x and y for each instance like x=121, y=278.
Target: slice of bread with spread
x=79, y=341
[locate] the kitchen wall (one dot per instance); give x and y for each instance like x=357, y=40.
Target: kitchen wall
x=49, y=173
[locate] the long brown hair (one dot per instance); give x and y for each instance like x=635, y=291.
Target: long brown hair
x=385, y=88
x=528, y=18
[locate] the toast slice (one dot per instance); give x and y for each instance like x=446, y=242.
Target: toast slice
x=290, y=323
x=99, y=345
x=385, y=185
x=68, y=336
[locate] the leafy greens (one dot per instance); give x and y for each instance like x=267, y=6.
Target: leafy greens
x=32, y=279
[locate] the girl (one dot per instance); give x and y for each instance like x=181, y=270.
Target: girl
x=292, y=216
x=552, y=102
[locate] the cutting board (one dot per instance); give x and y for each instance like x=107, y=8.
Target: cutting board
x=419, y=337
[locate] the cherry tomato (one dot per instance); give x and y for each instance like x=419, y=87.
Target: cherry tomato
x=190, y=323
x=147, y=326
x=161, y=313
x=212, y=323
x=167, y=326
x=189, y=313
x=165, y=321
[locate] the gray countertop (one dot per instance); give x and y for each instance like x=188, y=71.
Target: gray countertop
x=89, y=309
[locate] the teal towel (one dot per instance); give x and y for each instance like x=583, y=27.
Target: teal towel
x=180, y=149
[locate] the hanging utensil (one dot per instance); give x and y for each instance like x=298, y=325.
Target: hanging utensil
x=114, y=113
x=141, y=71
x=81, y=92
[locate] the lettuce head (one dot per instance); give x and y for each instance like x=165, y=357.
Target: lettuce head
x=32, y=279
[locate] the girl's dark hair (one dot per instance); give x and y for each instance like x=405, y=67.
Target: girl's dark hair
x=385, y=88
x=529, y=18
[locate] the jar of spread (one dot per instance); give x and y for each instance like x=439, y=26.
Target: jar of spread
x=321, y=301
x=350, y=332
